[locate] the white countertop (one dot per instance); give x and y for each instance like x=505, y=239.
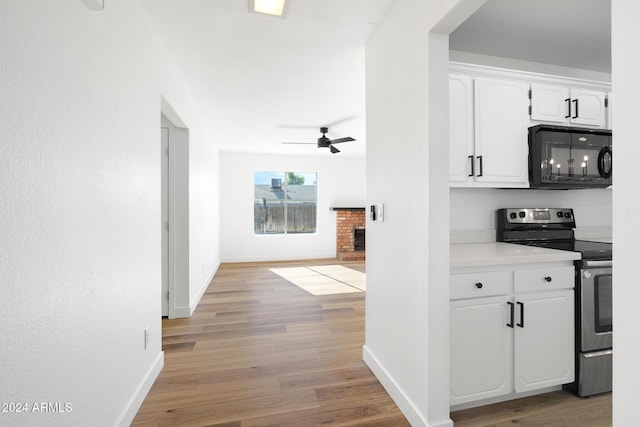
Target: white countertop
x=496, y=253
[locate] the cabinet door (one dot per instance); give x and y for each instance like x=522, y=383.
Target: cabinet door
x=460, y=128
x=501, y=122
x=481, y=349
x=550, y=103
x=564, y=105
x=588, y=108
x=544, y=340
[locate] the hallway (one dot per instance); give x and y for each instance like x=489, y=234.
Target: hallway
x=260, y=351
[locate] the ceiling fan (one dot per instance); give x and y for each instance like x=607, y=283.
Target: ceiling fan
x=324, y=142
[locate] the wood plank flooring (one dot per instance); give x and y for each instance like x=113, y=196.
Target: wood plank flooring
x=557, y=409
x=260, y=351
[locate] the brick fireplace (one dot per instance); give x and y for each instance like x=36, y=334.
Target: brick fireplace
x=350, y=233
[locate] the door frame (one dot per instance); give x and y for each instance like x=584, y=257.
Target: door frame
x=178, y=218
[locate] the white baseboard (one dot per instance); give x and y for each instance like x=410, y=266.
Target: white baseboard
x=268, y=258
x=203, y=288
x=182, y=311
x=187, y=310
x=141, y=393
x=408, y=409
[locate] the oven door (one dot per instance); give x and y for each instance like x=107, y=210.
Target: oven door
x=595, y=293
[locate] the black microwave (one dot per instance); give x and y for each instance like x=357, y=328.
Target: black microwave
x=563, y=157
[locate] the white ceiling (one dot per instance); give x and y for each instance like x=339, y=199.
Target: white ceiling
x=261, y=80
x=570, y=33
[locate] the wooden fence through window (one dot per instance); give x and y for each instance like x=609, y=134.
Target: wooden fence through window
x=271, y=219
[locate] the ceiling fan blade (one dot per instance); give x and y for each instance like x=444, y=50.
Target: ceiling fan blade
x=303, y=143
x=344, y=119
x=339, y=140
x=326, y=125
x=333, y=149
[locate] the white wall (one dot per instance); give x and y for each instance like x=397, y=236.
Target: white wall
x=341, y=182
x=406, y=342
x=80, y=211
x=475, y=208
x=626, y=204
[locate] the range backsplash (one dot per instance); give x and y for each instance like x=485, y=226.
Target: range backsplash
x=475, y=208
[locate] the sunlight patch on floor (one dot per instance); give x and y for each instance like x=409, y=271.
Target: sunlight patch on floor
x=324, y=279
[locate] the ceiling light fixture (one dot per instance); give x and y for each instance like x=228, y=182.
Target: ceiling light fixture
x=269, y=7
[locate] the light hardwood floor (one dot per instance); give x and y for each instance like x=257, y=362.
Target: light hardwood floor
x=557, y=409
x=260, y=351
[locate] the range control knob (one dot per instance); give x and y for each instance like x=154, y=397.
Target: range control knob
x=560, y=214
x=513, y=215
x=522, y=214
x=567, y=214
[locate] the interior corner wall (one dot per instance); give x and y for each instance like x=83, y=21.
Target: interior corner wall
x=626, y=203
x=80, y=211
x=341, y=182
x=204, y=178
x=406, y=342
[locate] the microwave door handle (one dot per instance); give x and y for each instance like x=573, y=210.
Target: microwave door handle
x=568, y=101
x=575, y=101
x=605, y=160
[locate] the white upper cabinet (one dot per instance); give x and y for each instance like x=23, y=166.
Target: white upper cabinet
x=488, y=120
x=461, y=150
x=502, y=120
x=567, y=105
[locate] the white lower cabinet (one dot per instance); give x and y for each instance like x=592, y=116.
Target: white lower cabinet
x=543, y=347
x=481, y=349
x=520, y=341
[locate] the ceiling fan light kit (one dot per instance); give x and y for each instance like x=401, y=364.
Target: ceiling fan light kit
x=269, y=7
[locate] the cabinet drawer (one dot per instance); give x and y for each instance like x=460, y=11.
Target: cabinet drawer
x=484, y=284
x=541, y=279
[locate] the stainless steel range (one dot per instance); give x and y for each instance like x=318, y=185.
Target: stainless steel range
x=554, y=228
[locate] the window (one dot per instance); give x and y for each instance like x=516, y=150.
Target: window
x=284, y=202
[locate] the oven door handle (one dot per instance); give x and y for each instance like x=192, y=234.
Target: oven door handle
x=597, y=353
x=596, y=263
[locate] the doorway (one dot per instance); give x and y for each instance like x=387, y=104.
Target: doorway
x=174, y=230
